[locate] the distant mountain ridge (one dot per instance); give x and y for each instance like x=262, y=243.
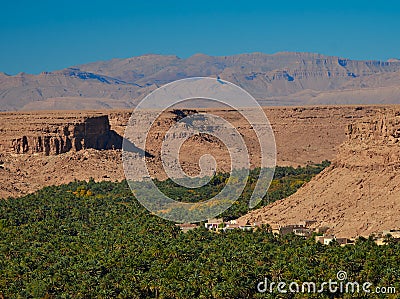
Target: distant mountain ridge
x=286, y=78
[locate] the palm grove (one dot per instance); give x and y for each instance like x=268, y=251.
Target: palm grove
x=94, y=240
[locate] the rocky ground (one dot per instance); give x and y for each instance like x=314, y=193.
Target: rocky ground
x=21, y=174
x=359, y=194
x=303, y=135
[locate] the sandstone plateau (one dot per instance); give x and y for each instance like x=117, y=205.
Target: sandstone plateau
x=54, y=147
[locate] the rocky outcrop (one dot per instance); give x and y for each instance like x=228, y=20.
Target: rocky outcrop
x=372, y=144
x=88, y=132
x=359, y=193
x=302, y=134
x=383, y=129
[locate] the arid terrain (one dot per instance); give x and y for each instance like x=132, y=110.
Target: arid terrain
x=45, y=148
x=357, y=195
x=285, y=78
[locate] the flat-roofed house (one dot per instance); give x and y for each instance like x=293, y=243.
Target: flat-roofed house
x=395, y=233
x=307, y=223
x=185, y=227
x=214, y=223
x=302, y=232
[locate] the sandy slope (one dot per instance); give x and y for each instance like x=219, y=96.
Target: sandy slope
x=360, y=193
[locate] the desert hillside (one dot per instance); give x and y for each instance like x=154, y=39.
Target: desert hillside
x=359, y=193
x=45, y=148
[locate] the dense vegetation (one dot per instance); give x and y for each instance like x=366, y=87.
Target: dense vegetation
x=286, y=182
x=93, y=240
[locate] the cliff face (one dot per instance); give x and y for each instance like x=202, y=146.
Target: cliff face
x=384, y=129
x=72, y=135
x=372, y=144
x=359, y=193
x=302, y=134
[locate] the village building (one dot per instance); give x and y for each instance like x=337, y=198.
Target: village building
x=214, y=223
x=307, y=223
x=185, y=227
x=302, y=232
x=382, y=237
x=327, y=239
x=395, y=233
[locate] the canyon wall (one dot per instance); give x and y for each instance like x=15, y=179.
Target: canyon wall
x=384, y=128
x=54, y=135
x=373, y=143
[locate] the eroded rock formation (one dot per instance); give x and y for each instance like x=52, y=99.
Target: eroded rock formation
x=302, y=134
x=72, y=135
x=359, y=194
x=372, y=143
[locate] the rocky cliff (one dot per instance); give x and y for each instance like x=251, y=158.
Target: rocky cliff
x=52, y=136
x=383, y=129
x=359, y=194
x=373, y=143
x=302, y=134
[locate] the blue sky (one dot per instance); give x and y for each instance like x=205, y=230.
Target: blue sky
x=49, y=35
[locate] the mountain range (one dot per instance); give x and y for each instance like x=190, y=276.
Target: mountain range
x=286, y=78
